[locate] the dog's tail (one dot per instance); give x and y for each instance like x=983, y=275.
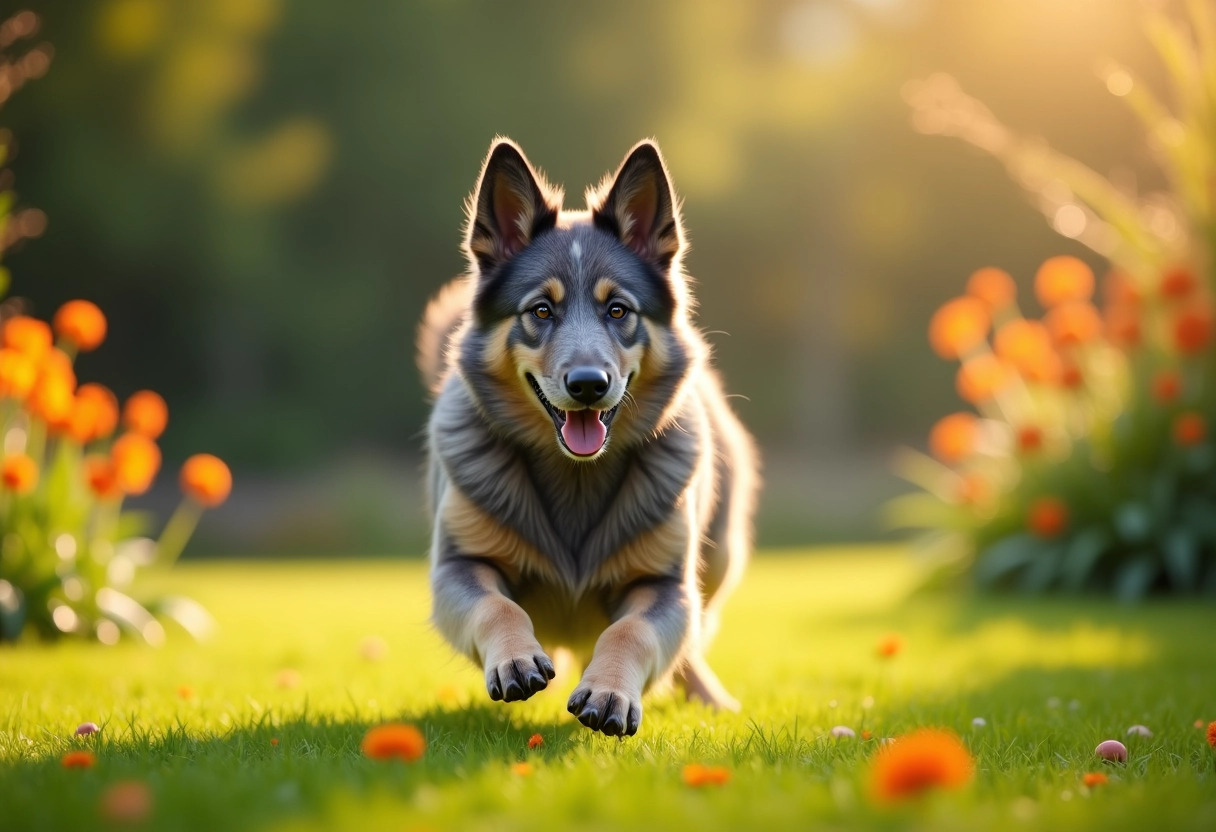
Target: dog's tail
x=443, y=317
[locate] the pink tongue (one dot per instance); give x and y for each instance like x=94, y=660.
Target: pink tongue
x=584, y=432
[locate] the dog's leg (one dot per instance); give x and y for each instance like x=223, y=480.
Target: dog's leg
x=647, y=635
x=701, y=683
x=475, y=614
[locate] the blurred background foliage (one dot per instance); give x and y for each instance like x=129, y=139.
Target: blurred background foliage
x=262, y=194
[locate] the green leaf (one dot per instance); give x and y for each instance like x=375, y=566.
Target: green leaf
x=1134, y=523
x=1180, y=553
x=1005, y=557
x=1043, y=569
x=1083, y=554
x=134, y=524
x=1135, y=579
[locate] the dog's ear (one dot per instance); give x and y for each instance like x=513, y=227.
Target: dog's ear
x=638, y=206
x=510, y=206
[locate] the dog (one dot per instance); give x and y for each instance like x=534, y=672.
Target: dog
x=590, y=487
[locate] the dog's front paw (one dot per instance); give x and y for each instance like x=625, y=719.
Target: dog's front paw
x=514, y=678
x=606, y=708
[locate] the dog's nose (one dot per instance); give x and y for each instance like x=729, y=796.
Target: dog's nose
x=587, y=384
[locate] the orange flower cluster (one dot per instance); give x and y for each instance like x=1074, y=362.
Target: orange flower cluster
x=1212, y=734
x=394, y=741
x=536, y=741
x=889, y=646
x=78, y=759
x=911, y=765
x=697, y=775
x=1092, y=779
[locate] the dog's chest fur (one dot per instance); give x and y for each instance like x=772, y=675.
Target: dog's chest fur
x=545, y=516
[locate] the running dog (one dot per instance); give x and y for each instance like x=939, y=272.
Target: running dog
x=590, y=486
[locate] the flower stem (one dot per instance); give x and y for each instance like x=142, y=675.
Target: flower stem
x=177, y=532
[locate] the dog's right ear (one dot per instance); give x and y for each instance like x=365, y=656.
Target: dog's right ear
x=511, y=205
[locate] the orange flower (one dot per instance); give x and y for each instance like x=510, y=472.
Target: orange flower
x=136, y=462
x=206, y=480
x=94, y=413
x=535, y=741
x=953, y=437
x=81, y=323
x=101, y=477
x=865, y=735
x=185, y=692
x=19, y=473
x=1071, y=377
x=1062, y=279
x=982, y=377
x=129, y=801
x=1192, y=331
x=1212, y=734
x=78, y=759
x=957, y=326
x=993, y=286
x=1123, y=326
x=973, y=490
x=53, y=394
x=1119, y=290
x=146, y=412
x=1048, y=517
x=1094, y=778
x=1177, y=283
x=1074, y=323
x=1030, y=439
x=1027, y=346
x=697, y=775
x=274, y=740
x=1189, y=428
x=521, y=769
x=1167, y=386
x=394, y=741
x=925, y=759
x=17, y=373
x=889, y=646
x=29, y=336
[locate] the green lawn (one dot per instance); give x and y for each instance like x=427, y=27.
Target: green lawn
x=1051, y=678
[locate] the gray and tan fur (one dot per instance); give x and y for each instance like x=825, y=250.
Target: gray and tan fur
x=591, y=488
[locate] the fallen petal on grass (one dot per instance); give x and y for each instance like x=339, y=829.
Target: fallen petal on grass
x=926, y=759
x=697, y=775
x=394, y=741
x=1139, y=731
x=1094, y=778
x=78, y=759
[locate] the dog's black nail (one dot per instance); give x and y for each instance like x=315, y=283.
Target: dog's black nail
x=535, y=681
x=609, y=714
x=613, y=725
x=634, y=720
x=546, y=666
x=513, y=692
x=590, y=717
x=577, y=700
x=493, y=686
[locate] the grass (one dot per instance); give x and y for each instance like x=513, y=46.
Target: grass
x=1052, y=678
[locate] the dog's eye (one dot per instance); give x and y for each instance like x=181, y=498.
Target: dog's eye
x=617, y=310
x=542, y=311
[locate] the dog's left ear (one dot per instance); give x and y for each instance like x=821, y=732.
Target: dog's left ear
x=638, y=206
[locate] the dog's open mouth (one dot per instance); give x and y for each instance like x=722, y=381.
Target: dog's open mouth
x=582, y=432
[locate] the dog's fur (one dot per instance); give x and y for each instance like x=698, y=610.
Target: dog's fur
x=625, y=555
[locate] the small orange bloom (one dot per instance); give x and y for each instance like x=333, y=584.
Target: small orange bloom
x=889, y=646
x=521, y=769
x=1094, y=778
x=1074, y=323
x=19, y=473
x=78, y=759
x=274, y=740
x=1177, y=283
x=1212, y=734
x=1190, y=428
x=1192, y=331
x=957, y=326
x=129, y=801
x=81, y=323
x=53, y=394
x=1062, y=279
x=1027, y=346
x=535, y=741
x=17, y=373
x=146, y=412
x=185, y=692
x=865, y=735
x=1030, y=439
x=1071, y=377
x=993, y=286
x=1123, y=327
x=136, y=462
x=953, y=437
x=1048, y=517
x=1119, y=290
x=206, y=480
x=29, y=336
x=1167, y=386
x=101, y=477
x=697, y=775
x=94, y=413
x=394, y=741
x=982, y=377
x=925, y=759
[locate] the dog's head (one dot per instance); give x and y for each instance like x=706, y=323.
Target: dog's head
x=578, y=337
